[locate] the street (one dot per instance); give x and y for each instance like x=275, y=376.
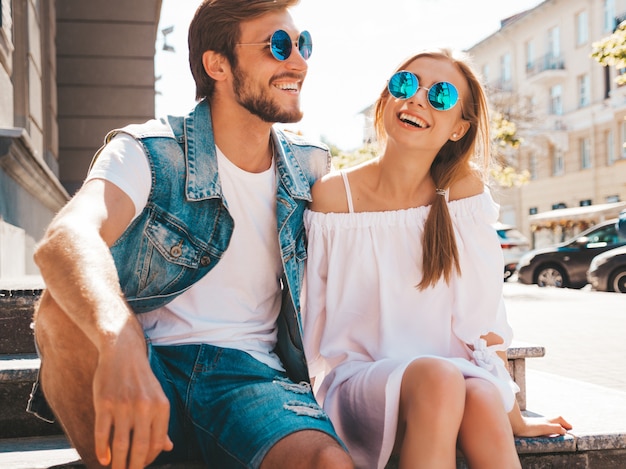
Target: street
x=583, y=331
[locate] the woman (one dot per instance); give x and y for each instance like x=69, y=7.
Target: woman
x=405, y=327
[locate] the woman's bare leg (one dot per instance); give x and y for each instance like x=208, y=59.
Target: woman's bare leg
x=432, y=399
x=486, y=438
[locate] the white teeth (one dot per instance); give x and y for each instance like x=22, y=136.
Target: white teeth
x=287, y=86
x=413, y=120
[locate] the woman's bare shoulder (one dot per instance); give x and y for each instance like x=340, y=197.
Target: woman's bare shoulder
x=329, y=194
x=468, y=186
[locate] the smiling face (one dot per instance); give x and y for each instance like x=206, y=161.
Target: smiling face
x=414, y=121
x=263, y=85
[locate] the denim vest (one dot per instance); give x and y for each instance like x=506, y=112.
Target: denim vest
x=185, y=228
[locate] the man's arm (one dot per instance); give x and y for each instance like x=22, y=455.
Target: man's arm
x=80, y=276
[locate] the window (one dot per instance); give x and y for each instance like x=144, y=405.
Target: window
x=533, y=167
x=583, y=91
x=530, y=56
x=486, y=73
x=622, y=151
x=558, y=162
x=609, y=15
x=585, y=153
x=554, y=43
x=556, y=103
x=505, y=68
x=610, y=148
x=6, y=36
x=582, y=28
x=604, y=235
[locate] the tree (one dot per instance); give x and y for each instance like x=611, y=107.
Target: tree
x=344, y=159
x=506, y=141
x=611, y=51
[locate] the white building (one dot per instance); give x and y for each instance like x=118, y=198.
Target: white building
x=569, y=112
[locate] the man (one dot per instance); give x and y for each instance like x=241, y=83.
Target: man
x=170, y=323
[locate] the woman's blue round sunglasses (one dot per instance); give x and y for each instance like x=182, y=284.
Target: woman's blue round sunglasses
x=442, y=96
x=281, y=45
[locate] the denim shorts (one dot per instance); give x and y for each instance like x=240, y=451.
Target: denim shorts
x=227, y=408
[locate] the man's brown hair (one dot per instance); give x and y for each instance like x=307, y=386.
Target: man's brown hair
x=215, y=26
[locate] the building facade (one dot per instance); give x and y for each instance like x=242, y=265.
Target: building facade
x=70, y=70
x=569, y=111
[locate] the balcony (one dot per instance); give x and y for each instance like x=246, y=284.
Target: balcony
x=547, y=70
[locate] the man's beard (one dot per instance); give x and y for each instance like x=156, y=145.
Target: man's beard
x=259, y=103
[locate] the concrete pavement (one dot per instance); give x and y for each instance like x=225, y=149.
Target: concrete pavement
x=583, y=331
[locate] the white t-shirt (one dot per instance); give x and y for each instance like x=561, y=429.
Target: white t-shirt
x=236, y=304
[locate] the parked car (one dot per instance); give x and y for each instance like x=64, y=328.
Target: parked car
x=566, y=264
x=607, y=271
x=514, y=244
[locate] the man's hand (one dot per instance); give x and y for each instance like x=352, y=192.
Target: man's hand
x=131, y=409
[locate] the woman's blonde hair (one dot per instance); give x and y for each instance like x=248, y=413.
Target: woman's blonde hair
x=454, y=161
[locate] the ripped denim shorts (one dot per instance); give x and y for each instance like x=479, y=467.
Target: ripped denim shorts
x=227, y=408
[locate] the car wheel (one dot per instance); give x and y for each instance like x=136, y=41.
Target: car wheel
x=550, y=276
x=508, y=273
x=618, y=281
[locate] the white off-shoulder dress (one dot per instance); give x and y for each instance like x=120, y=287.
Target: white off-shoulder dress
x=365, y=320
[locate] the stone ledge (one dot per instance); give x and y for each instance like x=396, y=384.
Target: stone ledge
x=19, y=368
x=18, y=298
x=520, y=349
x=565, y=452
x=559, y=444
x=601, y=442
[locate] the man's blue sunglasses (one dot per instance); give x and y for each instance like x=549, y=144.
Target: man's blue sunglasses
x=442, y=96
x=281, y=45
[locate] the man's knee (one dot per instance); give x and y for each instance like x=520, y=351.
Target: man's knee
x=333, y=456
x=308, y=449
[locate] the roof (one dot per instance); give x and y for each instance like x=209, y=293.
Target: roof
x=578, y=213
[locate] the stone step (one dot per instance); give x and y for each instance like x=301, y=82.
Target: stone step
x=17, y=375
x=19, y=368
x=589, y=408
x=16, y=313
x=598, y=440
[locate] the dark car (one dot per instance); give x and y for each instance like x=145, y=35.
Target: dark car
x=566, y=264
x=607, y=271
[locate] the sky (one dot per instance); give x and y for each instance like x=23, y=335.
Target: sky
x=356, y=46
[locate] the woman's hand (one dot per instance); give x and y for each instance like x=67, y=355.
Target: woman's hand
x=541, y=426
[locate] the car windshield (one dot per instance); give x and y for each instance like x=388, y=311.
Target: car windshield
x=602, y=236
x=607, y=235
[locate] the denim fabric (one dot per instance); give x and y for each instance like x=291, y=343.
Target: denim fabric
x=228, y=409
x=185, y=227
